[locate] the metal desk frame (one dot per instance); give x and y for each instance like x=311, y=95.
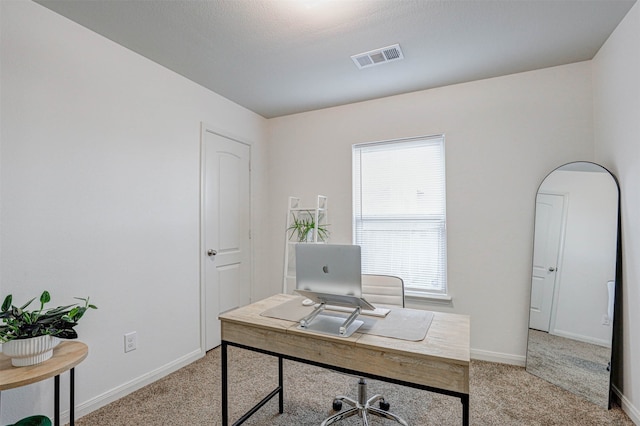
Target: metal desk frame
x=279, y=390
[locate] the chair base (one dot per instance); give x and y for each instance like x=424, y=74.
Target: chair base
x=363, y=407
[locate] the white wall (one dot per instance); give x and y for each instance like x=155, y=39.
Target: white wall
x=588, y=256
x=617, y=135
x=100, y=192
x=503, y=136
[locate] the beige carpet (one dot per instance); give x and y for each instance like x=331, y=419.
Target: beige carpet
x=500, y=395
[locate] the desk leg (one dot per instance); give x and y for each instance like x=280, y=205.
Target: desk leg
x=465, y=410
x=225, y=397
x=223, y=358
x=280, y=386
x=56, y=401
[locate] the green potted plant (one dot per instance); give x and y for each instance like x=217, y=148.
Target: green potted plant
x=304, y=225
x=29, y=336
x=34, y=421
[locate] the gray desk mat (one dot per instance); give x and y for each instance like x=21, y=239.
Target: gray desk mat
x=403, y=324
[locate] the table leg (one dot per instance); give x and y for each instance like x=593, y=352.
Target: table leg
x=56, y=401
x=280, y=386
x=465, y=410
x=72, y=391
x=225, y=377
x=223, y=357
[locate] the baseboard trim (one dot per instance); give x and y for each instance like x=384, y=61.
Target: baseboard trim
x=131, y=386
x=626, y=405
x=498, y=357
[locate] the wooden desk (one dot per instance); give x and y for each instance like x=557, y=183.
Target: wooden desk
x=439, y=363
x=65, y=357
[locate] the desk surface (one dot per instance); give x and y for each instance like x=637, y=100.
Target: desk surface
x=66, y=355
x=441, y=360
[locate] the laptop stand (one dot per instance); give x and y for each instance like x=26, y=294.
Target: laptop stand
x=332, y=325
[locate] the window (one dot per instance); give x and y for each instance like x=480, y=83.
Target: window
x=399, y=211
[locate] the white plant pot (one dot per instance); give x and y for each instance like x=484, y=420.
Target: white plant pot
x=32, y=351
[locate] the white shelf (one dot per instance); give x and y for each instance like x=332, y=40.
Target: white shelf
x=319, y=214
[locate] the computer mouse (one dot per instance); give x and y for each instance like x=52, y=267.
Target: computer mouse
x=308, y=302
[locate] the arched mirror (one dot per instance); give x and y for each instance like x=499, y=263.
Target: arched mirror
x=573, y=280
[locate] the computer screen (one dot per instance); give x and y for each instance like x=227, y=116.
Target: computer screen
x=330, y=273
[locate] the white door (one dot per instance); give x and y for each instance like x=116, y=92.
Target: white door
x=226, y=235
x=546, y=249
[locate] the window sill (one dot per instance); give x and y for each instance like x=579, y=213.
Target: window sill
x=418, y=296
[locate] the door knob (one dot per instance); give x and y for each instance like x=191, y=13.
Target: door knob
x=211, y=252
x=551, y=269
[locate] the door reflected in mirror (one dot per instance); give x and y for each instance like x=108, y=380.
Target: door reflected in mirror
x=573, y=280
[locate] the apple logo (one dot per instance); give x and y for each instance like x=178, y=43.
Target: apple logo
x=325, y=269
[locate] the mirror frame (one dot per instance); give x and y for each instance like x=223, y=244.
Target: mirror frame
x=617, y=279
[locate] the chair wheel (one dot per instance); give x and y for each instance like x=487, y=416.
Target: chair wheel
x=384, y=405
x=337, y=405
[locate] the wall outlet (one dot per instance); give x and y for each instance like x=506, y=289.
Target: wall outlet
x=130, y=341
x=606, y=320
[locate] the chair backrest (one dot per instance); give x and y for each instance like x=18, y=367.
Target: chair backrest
x=383, y=290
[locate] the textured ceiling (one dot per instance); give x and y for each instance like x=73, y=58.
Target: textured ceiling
x=278, y=57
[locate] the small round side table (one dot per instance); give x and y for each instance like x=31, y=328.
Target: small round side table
x=66, y=356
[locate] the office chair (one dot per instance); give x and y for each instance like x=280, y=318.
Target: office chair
x=382, y=291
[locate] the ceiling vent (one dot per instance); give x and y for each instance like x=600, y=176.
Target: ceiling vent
x=378, y=56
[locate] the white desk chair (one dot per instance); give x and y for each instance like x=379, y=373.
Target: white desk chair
x=381, y=291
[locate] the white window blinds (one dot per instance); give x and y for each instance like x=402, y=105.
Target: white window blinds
x=399, y=211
